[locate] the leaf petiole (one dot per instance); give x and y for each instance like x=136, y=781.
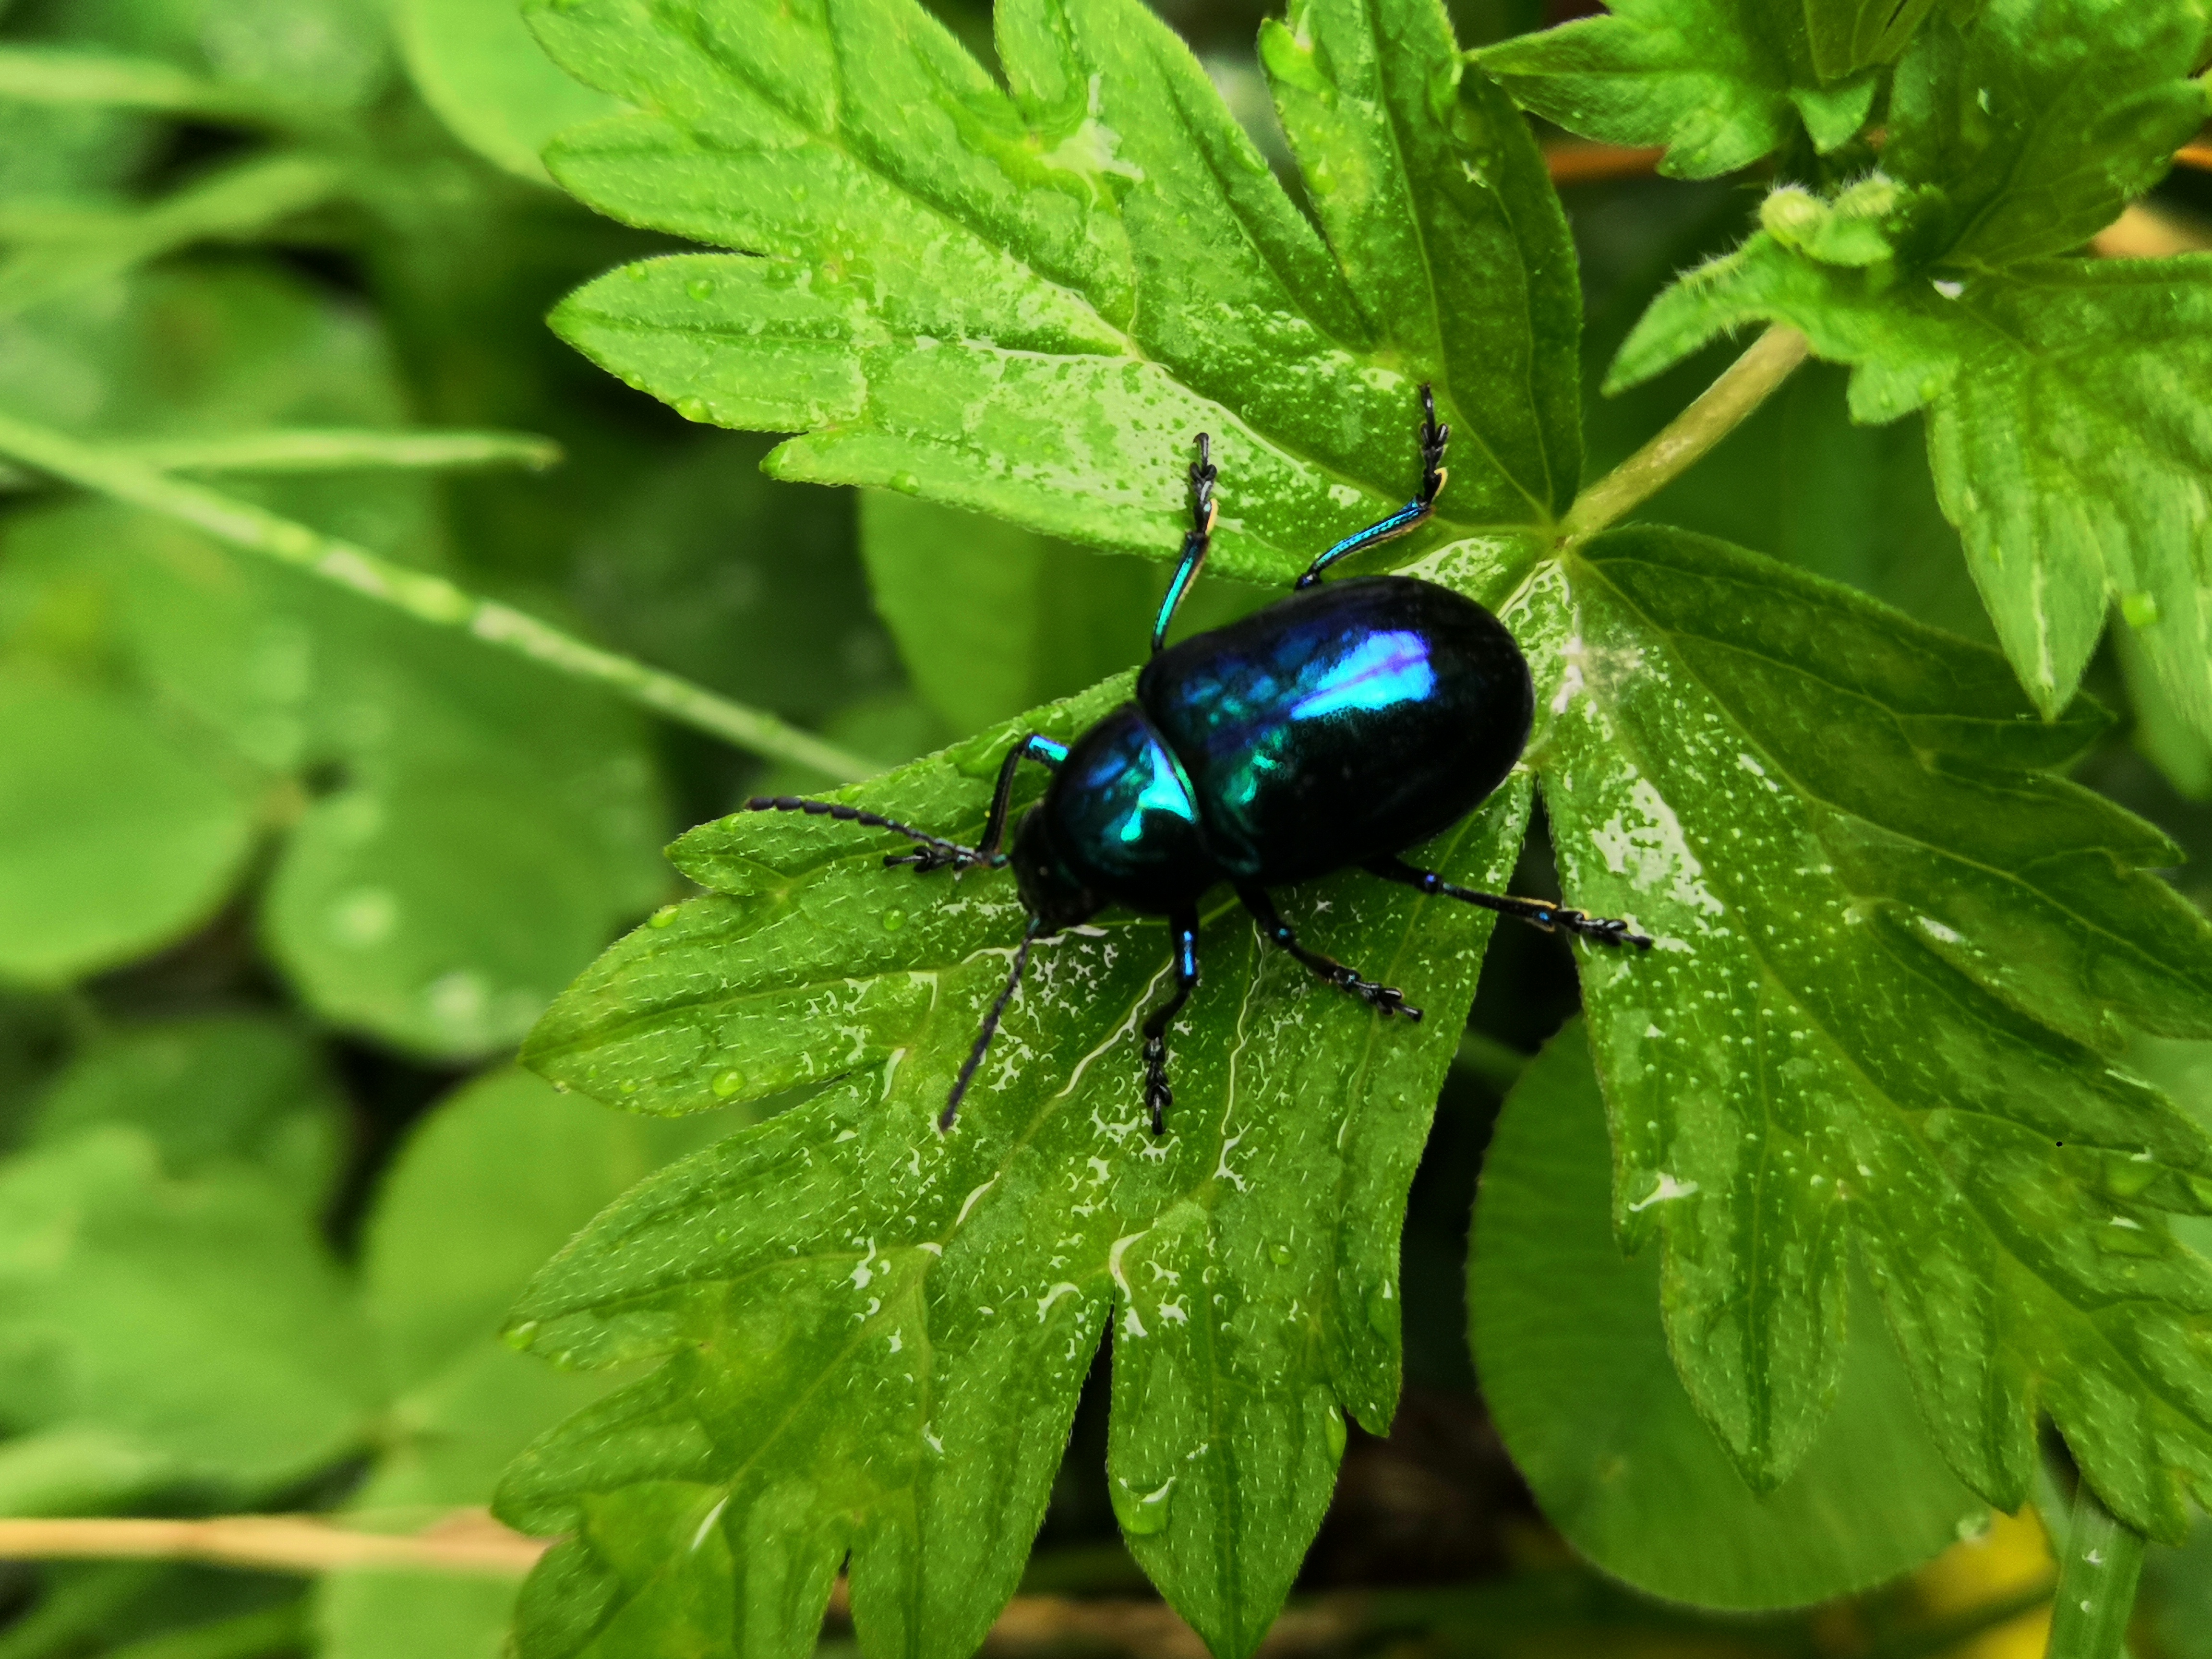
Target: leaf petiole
x=424, y=596
x=1719, y=409
x=2099, y=1563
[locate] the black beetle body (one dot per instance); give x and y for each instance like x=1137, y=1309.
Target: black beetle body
x=1342, y=725
x=1333, y=729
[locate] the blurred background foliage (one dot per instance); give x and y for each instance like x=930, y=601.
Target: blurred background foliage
x=283, y=876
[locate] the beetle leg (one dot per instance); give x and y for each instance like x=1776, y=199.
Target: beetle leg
x=1551, y=918
x=1195, y=541
x=1035, y=747
x=936, y=851
x=1182, y=927
x=1411, y=516
x=1388, y=999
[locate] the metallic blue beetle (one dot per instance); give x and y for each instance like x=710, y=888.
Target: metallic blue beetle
x=1336, y=727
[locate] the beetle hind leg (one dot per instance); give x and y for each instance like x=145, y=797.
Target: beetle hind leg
x=1384, y=998
x=1551, y=918
x=1410, y=517
x=1159, y=1097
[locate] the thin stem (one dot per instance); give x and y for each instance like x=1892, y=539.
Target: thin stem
x=323, y=449
x=2098, y=1567
x=1742, y=386
x=464, y=1541
x=46, y=76
x=427, y=599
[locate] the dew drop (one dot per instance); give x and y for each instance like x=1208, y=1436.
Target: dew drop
x=662, y=917
x=1141, y=1514
x=692, y=408
x=1281, y=1253
x=636, y=273
x=1335, y=1430
x=894, y=919
x=727, y=1081
x=2140, y=609
x=1383, y=1312
x=700, y=288
x=906, y=483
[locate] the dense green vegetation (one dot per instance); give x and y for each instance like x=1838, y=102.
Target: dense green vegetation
x=364, y=639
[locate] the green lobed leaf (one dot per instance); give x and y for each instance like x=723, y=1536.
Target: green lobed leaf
x=371, y=740
x=1576, y=1375
x=475, y=64
x=225, y=1088
x=1083, y=270
x=992, y=619
x=1845, y=36
x=2064, y=431
x=100, y=866
x=876, y=1334
x=1896, y=959
x=113, y=1275
x=502, y=1173
x=337, y=47
x=699, y=564
x=2065, y=441
x=1719, y=83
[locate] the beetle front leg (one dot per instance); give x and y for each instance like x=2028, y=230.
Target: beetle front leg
x=1184, y=927
x=1386, y=999
x=1551, y=918
x=936, y=855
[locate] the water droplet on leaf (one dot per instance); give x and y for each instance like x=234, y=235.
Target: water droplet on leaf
x=727, y=1081
x=894, y=919
x=1141, y=1514
x=1382, y=1311
x=662, y=917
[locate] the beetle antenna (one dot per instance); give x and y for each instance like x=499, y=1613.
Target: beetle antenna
x=990, y=1028
x=936, y=851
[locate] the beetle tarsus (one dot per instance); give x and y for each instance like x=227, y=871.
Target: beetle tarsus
x=1183, y=932
x=1158, y=1094
x=1551, y=918
x=1385, y=1000
x=935, y=857
x=936, y=851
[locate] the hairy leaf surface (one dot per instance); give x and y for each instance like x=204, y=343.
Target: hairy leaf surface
x=1889, y=935
x=1718, y=83
x=1590, y=1407
x=1896, y=960
x=2066, y=426
x=878, y=1333
x=1027, y=302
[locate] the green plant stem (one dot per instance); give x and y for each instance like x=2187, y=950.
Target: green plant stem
x=43, y=75
x=427, y=599
x=332, y=449
x=2098, y=1566
x=1719, y=409
x=239, y=201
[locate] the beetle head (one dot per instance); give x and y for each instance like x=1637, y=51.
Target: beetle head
x=1055, y=896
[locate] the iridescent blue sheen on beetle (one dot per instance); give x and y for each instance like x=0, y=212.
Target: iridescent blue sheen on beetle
x=1331, y=730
